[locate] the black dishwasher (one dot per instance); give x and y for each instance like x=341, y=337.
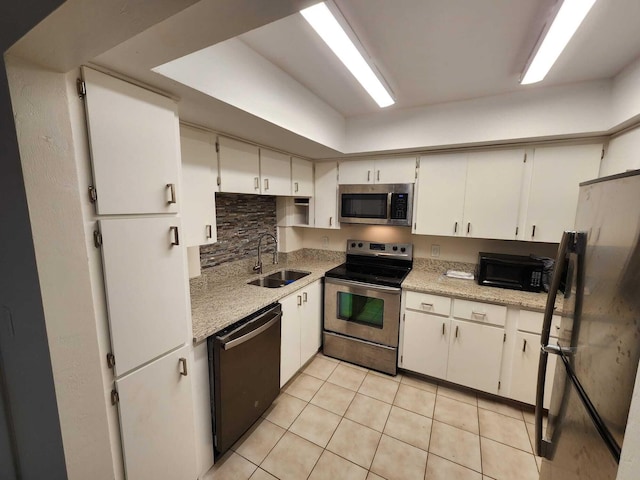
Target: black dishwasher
x=244, y=369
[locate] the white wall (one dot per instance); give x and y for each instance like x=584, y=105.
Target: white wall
x=623, y=153
x=55, y=193
x=625, y=98
x=451, y=248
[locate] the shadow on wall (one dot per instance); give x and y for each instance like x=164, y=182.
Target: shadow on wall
x=240, y=220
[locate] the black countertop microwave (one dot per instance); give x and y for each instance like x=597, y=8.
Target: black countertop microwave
x=379, y=204
x=516, y=272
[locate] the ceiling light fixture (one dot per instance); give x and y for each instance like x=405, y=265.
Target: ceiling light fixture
x=566, y=22
x=324, y=22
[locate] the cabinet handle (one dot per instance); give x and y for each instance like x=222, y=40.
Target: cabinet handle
x=368, y=175
x=443, y=329
x=172, y=191
x=455, y=228
x=468, y=227
x=295, y=189
x=183, y=367
x=176, y=236
x=524, y=345
x=304, y=297
x=533, y=231
x=330, y=221
x=426, y=305
x=478, y=314
x=457, y=331
x=378, y=175
x=299, y=300
x=256, y=183
x=266, y=184
x=209, y=231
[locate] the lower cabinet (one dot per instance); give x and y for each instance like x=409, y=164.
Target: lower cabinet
x=426, y=344
x=156, y=419
x=301, y=330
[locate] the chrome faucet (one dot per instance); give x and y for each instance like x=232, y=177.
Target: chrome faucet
x=258, y=266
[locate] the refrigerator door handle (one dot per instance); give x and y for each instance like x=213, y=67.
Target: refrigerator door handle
x=565, y=244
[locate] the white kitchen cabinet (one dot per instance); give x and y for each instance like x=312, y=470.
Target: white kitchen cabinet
x=301, y=329
x=325, y=200
x=425, y=348
x=135, y=147
x=440, y=195
x=475, y=355
x=199, y=175
x=524, y=376
x=380, y=170
x=492, y=194
x=553, y=195
x=301, y=177
x=156, y=419
x=239, y=166
x=275, y=173
x=146, y=288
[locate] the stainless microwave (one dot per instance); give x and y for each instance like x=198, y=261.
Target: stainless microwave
x=381, y=204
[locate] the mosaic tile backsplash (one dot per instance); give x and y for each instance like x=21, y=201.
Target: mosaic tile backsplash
x=241, y=219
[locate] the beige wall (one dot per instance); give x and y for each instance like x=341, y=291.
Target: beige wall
x=623, y=153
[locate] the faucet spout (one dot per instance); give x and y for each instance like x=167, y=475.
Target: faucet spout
x=258, y=266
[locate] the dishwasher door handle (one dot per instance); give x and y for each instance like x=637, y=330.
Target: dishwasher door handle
x=245, y=338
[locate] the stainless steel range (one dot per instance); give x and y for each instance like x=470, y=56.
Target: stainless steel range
x=362, y=304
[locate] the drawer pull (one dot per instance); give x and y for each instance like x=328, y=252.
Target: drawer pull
x=478, y=314
x=172, y=192
x=426, y=305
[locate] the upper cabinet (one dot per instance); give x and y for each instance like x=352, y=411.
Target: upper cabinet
x=380, y=170
x=556, y=173
x=239, y=166
x=301, y=177
x=135, y=147
x=492, y=194
x=199, y=175
x=275, y=173
x=326, y=195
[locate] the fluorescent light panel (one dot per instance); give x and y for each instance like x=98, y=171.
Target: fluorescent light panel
x=325, y=24
x=565, y=24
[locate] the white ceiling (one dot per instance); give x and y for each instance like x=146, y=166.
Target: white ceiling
x=436, y=51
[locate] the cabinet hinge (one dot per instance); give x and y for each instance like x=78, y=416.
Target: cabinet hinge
x=602, y=155
x=115, y=398
x=217, y=147
x=82, y=88
x=97, y=238
x=504, y=338
x=499, y=385
x=218, y=180
x=525, y=158
x=111, y=360
x=93, y=194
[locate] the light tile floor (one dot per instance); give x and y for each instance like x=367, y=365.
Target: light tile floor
x=335, y=420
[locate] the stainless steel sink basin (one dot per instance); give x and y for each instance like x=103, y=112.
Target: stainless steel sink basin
x=279, y=279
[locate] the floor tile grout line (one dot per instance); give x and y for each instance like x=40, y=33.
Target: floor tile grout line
x=479, y=436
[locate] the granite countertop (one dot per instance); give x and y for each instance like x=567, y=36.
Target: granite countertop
x=426, y=279
x=221, y=296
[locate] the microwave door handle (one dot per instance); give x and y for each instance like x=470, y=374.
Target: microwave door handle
x=389, y=197
x=542, y=446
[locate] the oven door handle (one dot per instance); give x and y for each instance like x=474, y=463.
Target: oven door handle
x=368, y=286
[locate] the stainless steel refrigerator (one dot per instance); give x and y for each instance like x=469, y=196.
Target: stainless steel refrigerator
x=599, y=339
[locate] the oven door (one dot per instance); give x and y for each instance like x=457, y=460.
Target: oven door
x=362, y=310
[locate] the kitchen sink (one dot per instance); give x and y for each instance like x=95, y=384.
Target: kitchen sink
x=279, y=279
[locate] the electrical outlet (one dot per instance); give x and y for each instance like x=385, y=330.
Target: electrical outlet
x=325, y=242
x=435, y=251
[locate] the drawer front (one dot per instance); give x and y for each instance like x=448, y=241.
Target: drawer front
x=532, y=322
x=480, y=312
x=424, y=302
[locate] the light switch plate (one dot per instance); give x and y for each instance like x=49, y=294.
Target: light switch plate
x=435, y=251
x=325, y=241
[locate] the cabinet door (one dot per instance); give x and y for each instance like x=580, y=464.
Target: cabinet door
x=275, y=172
x=553, y=197
x=311, y=321
x=145, y=281
x=135, y=146
x=301, y=177
x=290, y=337
x=356, y=172
x=524, y=375
x=199, y=172
x=475, y=355
x=441, y=190
x=395, y=170
x=156, y=419
x=239, y=166
x=492, y=194
x=425, y=344
x=325, y=200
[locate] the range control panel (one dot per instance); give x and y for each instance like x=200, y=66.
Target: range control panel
x=393, y=250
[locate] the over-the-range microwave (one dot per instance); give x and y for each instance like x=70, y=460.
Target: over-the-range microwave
x=381, y=204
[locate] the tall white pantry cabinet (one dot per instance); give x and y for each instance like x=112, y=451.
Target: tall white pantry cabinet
x=135, y=156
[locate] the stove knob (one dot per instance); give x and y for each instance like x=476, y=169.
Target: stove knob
x=403, y=249
x=360, y=245
x=395, y=249
x=353, y=245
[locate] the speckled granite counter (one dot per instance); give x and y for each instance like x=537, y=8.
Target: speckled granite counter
x=428, y=277
x=221, y=296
